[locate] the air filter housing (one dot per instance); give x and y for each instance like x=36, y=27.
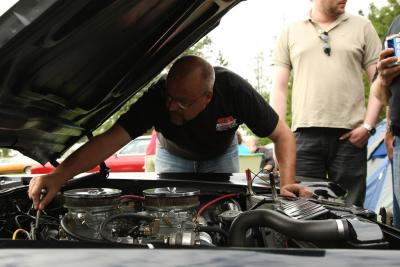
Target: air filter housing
x=171, y=198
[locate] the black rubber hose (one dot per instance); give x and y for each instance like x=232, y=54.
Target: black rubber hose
x=321, y=230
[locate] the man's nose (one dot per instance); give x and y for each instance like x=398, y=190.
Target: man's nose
x=172, y=105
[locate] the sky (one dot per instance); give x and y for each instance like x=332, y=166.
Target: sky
x=252, y=27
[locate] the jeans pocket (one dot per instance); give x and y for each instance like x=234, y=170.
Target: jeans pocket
x=347, y=141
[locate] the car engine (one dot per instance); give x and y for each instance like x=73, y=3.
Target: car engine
x=187, y=213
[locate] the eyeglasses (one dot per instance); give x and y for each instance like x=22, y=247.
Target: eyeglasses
x=325, y=38
x=183, y=104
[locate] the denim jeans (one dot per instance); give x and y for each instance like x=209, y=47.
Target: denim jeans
x=226, y=163
x=396, y=182
x=321, y=154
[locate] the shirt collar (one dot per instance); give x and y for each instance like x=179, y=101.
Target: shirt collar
x=343, y=17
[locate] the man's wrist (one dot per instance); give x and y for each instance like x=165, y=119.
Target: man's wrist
x=370, y=129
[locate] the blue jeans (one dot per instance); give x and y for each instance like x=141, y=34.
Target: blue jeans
x=169, y=163
x=396, y=182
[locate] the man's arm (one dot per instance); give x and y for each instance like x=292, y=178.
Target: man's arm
x=282, y=136
x=285, y=151
x=380, y=87
x=388, y=135
x=85, y=158
x=380, y=91
x=278, y=99
x=359, y=136
x=374, y=104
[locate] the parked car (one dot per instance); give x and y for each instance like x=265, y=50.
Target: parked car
x=128, y=159
x=67, y=66
x=17, y=163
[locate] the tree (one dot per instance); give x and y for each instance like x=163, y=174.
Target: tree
x=382, y=18
x=261, y=87
x=221, y=60
x=261, y=80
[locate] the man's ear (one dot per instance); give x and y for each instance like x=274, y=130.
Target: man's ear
x=209, y=96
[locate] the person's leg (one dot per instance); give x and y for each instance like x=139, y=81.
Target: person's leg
x=396, y=182
x=311, y=153
x=226, y=163
x=348, y=168
x=169, y=163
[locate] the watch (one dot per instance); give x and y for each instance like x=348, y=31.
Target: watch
x=371, y=129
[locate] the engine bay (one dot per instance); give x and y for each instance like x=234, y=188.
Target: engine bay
x=189, y=211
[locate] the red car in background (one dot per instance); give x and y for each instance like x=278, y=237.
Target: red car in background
x=130, y=158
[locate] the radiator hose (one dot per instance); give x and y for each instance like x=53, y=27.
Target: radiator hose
x=298, y=229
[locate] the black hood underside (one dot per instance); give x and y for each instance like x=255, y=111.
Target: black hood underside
x=67, y=66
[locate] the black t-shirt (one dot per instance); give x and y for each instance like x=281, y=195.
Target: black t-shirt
x=211, y=132
x=395, y=86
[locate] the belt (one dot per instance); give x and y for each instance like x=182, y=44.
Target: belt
x=395, y=130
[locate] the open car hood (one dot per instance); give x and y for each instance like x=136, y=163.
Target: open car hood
x=67, y=66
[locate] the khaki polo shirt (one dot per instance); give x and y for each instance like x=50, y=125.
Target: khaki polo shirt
x=328, y=91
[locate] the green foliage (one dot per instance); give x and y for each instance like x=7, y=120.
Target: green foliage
x=261, y=79
x=382, y=18
x=288, y=118
x=201, y=49
x=5, y=152
x=221, y=60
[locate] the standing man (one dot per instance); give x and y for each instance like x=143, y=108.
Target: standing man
x=196, y=111
x=327, y=53
x=386, y=87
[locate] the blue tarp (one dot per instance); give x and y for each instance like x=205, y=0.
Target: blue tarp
x=375, y=185
x=379, y=189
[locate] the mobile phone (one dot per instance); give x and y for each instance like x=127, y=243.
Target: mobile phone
x=393, y=41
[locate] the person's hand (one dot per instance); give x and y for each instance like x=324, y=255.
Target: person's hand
x=387, y=73
x=268, y=168
x=295, y=190
x=389, y=144
x=358, y=136
x=51, y=182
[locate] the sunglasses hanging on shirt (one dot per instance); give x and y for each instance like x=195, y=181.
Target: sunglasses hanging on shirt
x=323, y=35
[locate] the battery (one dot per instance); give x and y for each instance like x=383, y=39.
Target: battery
x=393, y=41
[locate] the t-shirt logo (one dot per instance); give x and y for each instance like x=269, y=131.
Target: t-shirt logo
x=226, y=123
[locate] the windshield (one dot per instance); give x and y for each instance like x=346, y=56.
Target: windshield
x=16, y=15
x=137, y=146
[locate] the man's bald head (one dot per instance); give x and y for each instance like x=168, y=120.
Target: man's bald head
x=189, y=67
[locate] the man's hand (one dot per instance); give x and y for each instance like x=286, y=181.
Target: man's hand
x=389, y=144
x=295, y=190
x=51, y=182
x=358, y=136
x=387, y=73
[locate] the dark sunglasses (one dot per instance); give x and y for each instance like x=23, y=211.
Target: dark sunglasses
x=325, y=39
